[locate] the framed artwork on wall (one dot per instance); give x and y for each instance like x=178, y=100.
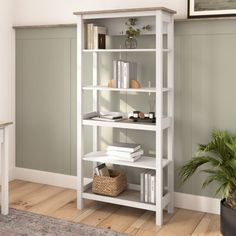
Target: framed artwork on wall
x=211, y=8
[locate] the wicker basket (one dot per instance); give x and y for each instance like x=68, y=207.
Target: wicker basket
x=110, y=186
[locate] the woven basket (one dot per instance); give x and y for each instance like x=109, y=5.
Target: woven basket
x=110, y=186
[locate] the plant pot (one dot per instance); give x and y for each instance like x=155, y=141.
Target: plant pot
x=227, y=220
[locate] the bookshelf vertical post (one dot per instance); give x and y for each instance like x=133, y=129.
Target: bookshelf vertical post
x=80, y=145
x=159, y=115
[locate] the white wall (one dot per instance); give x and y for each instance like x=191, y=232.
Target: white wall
x=7, y=68
x=33, y=12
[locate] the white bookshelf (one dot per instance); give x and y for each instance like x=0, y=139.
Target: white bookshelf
x=162, y=24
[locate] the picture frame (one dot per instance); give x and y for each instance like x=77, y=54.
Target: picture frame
x=206, y=8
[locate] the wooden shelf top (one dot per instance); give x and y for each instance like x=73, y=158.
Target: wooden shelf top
x=5, y=123
x=125, y=10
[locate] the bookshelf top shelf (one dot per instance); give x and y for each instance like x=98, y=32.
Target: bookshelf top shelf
x=125, y=10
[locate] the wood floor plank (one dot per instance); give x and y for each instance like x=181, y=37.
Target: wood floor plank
x=16, y=183
x=121, y=219
x=182, y=223
x=70, y=211
x=34, y=198
x=208, y=226
x=146, y=224
x=100, y=214
x=86, y=212
x=49, y=206
x=25, y=189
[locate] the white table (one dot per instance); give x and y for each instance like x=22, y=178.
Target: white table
x=4, y=158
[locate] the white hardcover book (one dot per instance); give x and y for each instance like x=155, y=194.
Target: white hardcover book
x=115, y=73
x=146, y=194
x=119, y=73
x=126, y=154
x=125, y=74
x=153, y=187
x=142, y=186
x=124, y=147
x=129, y=72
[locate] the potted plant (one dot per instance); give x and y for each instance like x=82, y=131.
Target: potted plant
x=220, y=156
x=133, y=32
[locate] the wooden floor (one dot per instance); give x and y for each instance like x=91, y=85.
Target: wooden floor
x=61, y=203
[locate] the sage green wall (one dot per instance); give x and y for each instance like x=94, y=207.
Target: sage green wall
x=205, y=85
x=46, y=99
x=204, y=95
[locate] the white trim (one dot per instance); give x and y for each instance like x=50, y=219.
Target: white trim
x=182, y=200
x=197, y=203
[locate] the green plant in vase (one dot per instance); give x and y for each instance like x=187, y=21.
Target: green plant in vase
x=133, y=32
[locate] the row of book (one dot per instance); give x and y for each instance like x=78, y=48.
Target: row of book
x=123, y=73
x=130, y=152
x=95, y=36
x=148, y=186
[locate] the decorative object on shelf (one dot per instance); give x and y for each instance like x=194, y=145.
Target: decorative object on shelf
x=133, y=32
x=139, y=116
x=134, y=84
x=206, y=8
x=113, y=185
x=95, y=36
x=219, y=155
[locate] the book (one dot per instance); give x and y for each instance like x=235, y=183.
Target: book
x=139, y=152
x=142, y=185
x=115, y=85
x=153, y=187
x=129, y=72
x=99, y=37
x=119, y=73
x=99, y=118
x=124, y=147
x=125, y=158
x=146, y=186
x=102, y=170
x=90, y=35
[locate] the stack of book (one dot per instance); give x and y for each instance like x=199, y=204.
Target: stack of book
x=123, y=73
x=148, y=186
x=95, y=36
x=130, y=152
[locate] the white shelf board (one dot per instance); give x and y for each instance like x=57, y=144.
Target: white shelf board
x=141, y=90
x=126, y=50
x=129, y=124
x=144, y=162
x=130, y=198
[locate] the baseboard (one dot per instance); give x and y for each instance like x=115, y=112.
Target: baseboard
x=182, y=200
x=197, y=203
x=43, y=177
